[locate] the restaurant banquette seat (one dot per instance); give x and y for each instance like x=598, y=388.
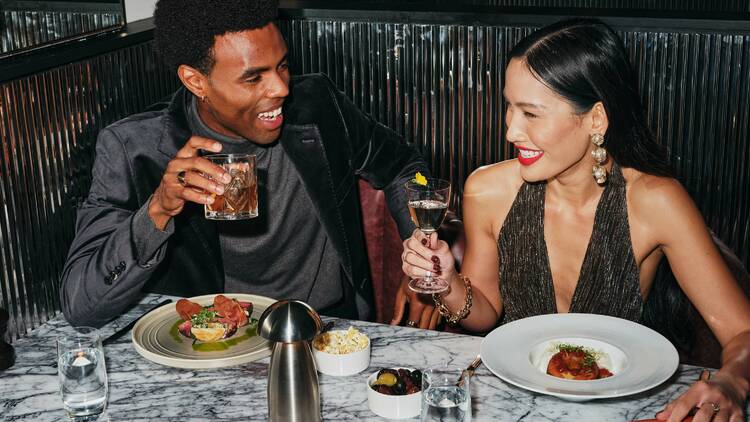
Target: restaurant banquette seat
x=384, y=250
x=384, y=247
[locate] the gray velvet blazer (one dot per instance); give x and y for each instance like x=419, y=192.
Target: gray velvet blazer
x=328, y=139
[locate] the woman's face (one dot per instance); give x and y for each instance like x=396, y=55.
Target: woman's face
x=552, y=140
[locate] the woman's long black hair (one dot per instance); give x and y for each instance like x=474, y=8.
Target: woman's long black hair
x=584, y=61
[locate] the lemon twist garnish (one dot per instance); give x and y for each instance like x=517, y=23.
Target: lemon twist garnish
x=419, y=179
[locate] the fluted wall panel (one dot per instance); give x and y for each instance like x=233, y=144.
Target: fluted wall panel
x=663, y=5
x=21, y=29
x=49, y=123
x=441, y=87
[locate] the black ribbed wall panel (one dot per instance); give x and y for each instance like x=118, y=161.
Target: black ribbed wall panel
x=660, y=5
x=22, y=29
x=441, y=86
x=49, y=123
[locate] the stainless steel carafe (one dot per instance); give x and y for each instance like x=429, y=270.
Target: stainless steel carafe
x=293, y=394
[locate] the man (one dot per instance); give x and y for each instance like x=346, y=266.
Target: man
x=142, y=226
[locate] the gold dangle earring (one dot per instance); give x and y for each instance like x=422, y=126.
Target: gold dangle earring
x=600, y=156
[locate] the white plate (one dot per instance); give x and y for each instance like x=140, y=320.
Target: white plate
x=639, y=357
x=155, y=337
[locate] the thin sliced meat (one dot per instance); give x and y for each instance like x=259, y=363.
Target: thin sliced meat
x=231, y=309
x=185, y=328
x=186, y=309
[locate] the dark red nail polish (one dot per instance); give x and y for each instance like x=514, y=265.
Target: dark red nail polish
x=438, y=272
x=435, y=259
x=436, y=267
x=424, y=242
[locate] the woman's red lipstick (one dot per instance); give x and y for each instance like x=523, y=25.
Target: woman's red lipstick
x=527, y=156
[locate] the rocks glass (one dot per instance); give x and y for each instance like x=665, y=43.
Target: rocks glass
x=446, y=395
x=240, y=198
x=82, y=373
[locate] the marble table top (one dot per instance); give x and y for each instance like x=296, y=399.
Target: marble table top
x=140, y=390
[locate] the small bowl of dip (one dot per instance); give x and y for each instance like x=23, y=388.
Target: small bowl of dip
x=341, y=352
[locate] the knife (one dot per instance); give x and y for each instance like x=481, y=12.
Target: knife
x=122, y=331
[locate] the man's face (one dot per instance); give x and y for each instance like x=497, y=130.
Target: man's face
x=247, y=85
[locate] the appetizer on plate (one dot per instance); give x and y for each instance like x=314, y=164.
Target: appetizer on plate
x=212, y=323
x=576, y=363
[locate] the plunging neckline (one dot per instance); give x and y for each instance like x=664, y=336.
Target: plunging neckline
x=586, y=256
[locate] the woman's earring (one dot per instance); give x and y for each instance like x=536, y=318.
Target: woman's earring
x=600, y=156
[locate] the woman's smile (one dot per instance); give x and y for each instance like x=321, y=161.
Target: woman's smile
x=527, y=156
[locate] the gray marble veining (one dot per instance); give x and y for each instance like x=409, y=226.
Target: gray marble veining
x=142, y=391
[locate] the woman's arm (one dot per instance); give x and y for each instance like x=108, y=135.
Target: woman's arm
x=679, y=230
x=488, y=195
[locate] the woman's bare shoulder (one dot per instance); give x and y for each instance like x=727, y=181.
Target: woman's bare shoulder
x=494, y=182
x=488, y=195
x=652, y=197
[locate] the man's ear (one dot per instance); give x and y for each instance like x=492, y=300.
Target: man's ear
x=194, y=80
x=599, y=118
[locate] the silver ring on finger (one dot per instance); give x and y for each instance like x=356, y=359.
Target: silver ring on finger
x=411, y=323
x=181, y=178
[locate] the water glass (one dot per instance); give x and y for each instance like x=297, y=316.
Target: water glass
x=240, y=198
x=82, y=373
x=446, y=395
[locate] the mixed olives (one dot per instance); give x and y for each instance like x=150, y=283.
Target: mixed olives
x=397, y=382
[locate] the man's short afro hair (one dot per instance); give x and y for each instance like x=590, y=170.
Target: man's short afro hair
x=185, y=29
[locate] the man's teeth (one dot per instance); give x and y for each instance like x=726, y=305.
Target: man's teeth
x=270, y=115
x=525, y=153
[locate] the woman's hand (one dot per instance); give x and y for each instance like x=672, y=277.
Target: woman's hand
x=718, y=399
x=424, y=255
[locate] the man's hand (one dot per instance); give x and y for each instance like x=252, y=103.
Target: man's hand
x=200, y=180
x=422, y=311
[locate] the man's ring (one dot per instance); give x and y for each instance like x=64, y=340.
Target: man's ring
x=411, y=323
x=181, y=177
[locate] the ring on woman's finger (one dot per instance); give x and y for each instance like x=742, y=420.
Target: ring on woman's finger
x=714, y=406
x=411, y=323
x=181, y=177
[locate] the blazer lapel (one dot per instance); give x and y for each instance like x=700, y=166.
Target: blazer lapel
x=305, y=148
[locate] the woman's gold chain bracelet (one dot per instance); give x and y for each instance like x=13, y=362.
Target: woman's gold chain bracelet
x=446, y=313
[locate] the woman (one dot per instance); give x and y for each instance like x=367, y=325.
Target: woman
x=564, y=238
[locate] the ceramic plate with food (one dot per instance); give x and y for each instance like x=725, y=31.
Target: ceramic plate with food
x=579, y=356
x=208, y=331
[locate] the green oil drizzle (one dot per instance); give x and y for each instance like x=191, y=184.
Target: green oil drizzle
x=250, y=331
x=175, y=332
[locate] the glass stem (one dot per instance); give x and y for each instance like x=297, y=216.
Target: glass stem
x=428, y=277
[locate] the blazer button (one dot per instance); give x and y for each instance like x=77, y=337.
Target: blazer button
x=108, y=280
